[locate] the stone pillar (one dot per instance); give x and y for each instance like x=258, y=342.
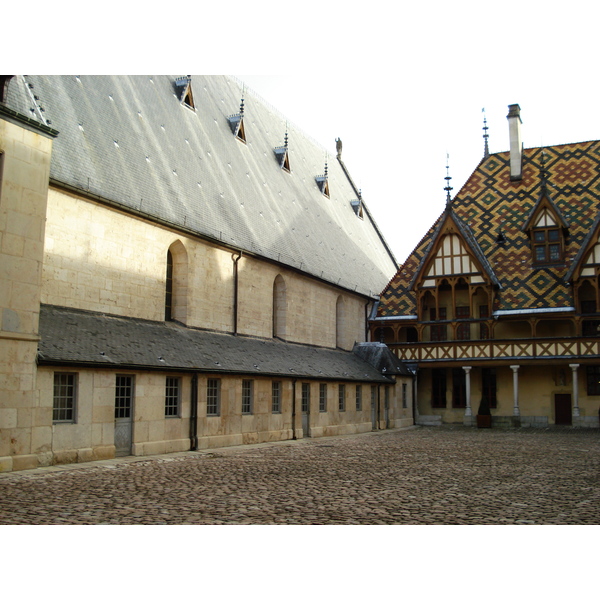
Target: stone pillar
x=575, y=391
x=467, y=370
x=515, y=370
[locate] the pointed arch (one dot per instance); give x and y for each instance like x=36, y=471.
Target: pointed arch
x=176, y=283
x=279, y=307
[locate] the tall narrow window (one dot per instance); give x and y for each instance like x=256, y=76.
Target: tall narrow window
x=213, y=397
x=169, y=288
x=305, y=397
x=404, y=396
x=342, y=397
x=123, y=396
x=439, y=333
x=463, y=331
x=438, y=388
x=459, y=391
x=276, y=396
x=322, y=397
x=359, y=397
x=176, y=283
x=65, y=396
x=247, y=396
x=172, y=396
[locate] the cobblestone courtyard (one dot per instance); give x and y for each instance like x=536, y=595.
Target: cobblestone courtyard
x=443, y=475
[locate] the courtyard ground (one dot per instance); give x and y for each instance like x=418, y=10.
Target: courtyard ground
x=419, y=476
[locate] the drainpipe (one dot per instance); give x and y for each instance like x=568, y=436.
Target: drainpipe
x=194, y=414
x=367, y=320
x=293, y=409
x=235, y=291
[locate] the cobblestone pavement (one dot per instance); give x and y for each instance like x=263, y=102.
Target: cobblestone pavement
x=441, y=475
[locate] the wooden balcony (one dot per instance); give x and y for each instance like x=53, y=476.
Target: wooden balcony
x=498, y=350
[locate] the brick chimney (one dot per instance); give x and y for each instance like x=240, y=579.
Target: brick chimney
x=516, y=146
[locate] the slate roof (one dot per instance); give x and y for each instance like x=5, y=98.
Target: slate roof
x=131, y=141
x=86, y=339
x=490, y=202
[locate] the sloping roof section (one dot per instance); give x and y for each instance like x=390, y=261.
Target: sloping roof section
x=131, y=141
x=491, y=203
x=85, y=339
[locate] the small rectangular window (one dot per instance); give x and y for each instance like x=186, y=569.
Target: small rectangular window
x=323, y=397
x=213, y=397
x=172, y=396
x=247, y=396
x=342, y=397
x=359, y=397
x=276, y=396
x=123, y=396
x=65, y=397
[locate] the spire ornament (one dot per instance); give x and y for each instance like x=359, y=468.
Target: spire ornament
x=448, y=189
x=486, y=148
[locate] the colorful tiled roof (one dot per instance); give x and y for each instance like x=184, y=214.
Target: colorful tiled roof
x=490, y=202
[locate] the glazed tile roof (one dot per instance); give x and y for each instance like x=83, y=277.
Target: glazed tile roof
x=490, y=202
x=130, y=140
x=95, y=340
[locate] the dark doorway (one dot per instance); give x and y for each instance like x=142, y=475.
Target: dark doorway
x=562, y=409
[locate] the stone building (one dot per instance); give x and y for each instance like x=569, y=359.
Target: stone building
x=500, y=300
x=180, y=268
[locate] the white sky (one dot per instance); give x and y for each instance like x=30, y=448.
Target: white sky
x=401, y=84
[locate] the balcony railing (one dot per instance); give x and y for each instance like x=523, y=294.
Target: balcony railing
x=497, y=349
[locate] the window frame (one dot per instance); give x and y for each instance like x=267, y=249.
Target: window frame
x=124, y=390
x=489, y=386
x=546, y=244
x=247, y=396
x=341, y=397
x=459, y=388
x=213, y=397
x=305, y=399
x=358, y=397
x=71, y=400
x=322, y=397
x=592, y=376
x=172, y=397
x=276, y=397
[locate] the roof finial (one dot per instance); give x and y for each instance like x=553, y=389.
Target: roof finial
x=448, y=189
x=242, y=104
x=486, y=149
x=286, y=135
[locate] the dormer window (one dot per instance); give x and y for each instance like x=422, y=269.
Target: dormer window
x=547, y=245
x=184, y=87
x=282, y=155
x=236, y=122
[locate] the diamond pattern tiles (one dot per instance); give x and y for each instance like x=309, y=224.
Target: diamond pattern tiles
x=490, y=200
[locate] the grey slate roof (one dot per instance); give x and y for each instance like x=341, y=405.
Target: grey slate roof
x=130, y=140
x=79, y=338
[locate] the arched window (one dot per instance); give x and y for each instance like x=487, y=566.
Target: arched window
x=279, y=307
x=176, y=283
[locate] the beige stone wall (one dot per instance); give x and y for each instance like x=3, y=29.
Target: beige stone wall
x=23, y=193
x=101, y=260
